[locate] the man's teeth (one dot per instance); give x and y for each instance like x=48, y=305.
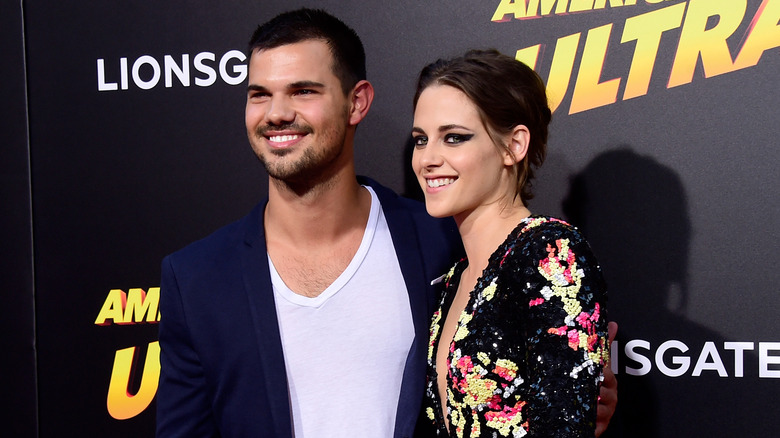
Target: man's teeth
x=282, y=138
x=438, y=182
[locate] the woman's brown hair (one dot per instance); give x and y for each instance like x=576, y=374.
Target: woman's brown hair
x=507, y=93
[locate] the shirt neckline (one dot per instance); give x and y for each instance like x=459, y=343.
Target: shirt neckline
x=368, y=236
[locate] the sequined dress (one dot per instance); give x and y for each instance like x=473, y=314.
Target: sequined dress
x=528, y=350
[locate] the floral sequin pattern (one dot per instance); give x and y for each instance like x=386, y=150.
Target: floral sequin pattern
x=528, y=350
x=560, y=269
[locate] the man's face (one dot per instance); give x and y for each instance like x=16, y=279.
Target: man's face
x=297, y=115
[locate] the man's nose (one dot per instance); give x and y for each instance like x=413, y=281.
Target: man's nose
x=280, y=111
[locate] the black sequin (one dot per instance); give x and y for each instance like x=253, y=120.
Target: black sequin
x=528, y=351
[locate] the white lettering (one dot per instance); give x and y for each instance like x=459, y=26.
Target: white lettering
x=614, y=354
x=709, y=358
x=765, y=360
x=633, y=355
x=238, y=69
x=147, y=71
x=739, y=353
x=684, y=362
x=182, y=72
x=101, y=73
x=123, y=79
x=211, y=75
x=709, y=350
x=142, y=84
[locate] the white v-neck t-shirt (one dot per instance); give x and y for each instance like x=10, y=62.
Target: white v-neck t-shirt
x=345, y=349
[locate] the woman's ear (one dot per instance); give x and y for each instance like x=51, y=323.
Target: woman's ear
x=518, y=145
x=362, y=95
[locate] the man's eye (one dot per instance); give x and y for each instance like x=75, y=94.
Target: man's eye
x=256, y=96
x=304, y=92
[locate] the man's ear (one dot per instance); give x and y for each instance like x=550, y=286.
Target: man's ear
x=362, y=95
x=517, y=145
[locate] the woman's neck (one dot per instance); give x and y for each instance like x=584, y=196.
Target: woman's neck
x=482, y=231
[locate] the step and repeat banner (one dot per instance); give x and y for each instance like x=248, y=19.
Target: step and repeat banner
x=17, y=342
x=663, y=149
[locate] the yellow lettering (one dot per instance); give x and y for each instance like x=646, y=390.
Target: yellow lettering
x=561, y=6
x=588, y=91
x=529, y=56
x=646, y=29
x=120, y=403
x=506, y=7
x=696, y=39
x=544, y=7
x=561, y=68
x=600, y=4
x=581, y=5
x=764, y=34
x=140, y=303
x=113, y=308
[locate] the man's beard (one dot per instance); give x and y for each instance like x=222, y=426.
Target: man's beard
x=314, y=161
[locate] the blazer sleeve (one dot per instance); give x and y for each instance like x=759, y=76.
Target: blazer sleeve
x=183, y=407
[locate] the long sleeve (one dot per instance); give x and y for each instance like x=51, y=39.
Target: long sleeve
x=183, y=408
x=565, y=331
x=528, y=350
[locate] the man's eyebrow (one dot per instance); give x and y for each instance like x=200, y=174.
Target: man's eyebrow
x=306, y=84
x=259, y=88
x=293, y=86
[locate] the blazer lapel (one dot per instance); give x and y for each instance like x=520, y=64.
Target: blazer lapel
x=404, y=232
x=257, y=281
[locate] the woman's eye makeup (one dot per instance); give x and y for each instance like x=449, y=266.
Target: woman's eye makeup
x=419, y=140
x=457, y=138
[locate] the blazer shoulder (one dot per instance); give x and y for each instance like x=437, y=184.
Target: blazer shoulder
x=394, y=205
x=411, y=225
x=245, y=231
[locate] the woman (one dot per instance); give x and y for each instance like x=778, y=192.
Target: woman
x=519, y=341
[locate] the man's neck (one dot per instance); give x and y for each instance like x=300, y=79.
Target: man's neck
x=317, y=214
x=313, y=236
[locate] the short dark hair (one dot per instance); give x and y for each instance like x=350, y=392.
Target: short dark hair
x=349, y=58
x=507, y=93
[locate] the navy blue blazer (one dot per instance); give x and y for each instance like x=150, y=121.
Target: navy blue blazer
x=222, y=369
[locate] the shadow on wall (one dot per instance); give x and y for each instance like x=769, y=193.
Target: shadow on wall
x=634, y=213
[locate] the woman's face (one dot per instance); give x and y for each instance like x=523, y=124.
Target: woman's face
x=460, y=169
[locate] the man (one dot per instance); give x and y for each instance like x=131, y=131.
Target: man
x=308, y=317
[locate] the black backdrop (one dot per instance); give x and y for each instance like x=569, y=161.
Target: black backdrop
x=17, y=366
x=675, y=188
